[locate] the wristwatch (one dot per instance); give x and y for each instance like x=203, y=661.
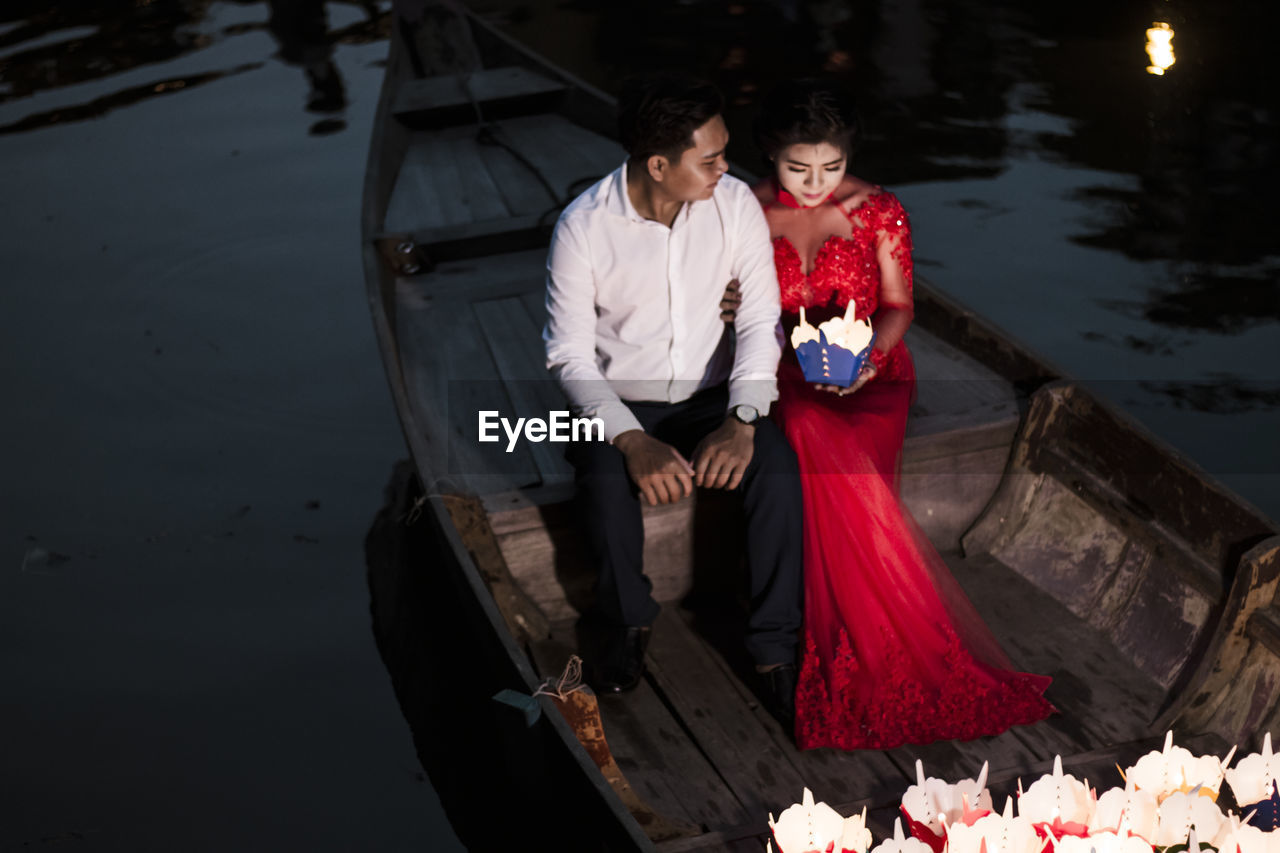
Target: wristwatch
x=745, y=414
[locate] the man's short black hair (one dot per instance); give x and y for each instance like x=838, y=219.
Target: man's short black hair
x=658, y=113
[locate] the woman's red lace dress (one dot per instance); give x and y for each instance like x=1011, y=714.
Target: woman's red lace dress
x=894, y=651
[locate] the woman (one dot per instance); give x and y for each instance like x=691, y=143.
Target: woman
x=894, y=651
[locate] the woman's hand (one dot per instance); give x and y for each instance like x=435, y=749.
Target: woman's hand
x=865, y=375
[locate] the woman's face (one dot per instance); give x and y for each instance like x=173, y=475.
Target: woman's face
x=810, y=172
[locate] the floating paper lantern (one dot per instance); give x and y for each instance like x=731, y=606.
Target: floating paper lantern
x=996, y=833
x=932, y=804
x=900, y=843
x=1185, y=811
x=806, y=827
x=1127, y=807
x=1236, y=836
x=1207, y=773
x=1176, y=769
x=856, y=837
x=835, y=351
x=1254, y=776
x=1105, y=842
x=1058, y=797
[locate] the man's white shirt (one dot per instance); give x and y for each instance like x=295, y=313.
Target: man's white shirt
x=633, y=307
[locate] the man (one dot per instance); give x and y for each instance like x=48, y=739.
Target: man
x=635, y=276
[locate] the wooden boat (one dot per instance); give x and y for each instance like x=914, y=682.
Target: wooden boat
x=1097, y=555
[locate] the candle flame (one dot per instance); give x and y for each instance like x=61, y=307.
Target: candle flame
x=1160, y=47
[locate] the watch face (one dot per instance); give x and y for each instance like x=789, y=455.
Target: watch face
x=746, y=414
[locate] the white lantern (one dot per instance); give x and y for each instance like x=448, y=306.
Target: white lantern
x=1127, y=807
x=1057, y=798
x=856, y=838
x=1252, y=778
x=996, y=833
x=932, y=804
x=1237, y=837
x=1177, y=769
x=1185, y=811
x=806, y=827
x=1104, y=842
x=1207, y=772
x=900, y=843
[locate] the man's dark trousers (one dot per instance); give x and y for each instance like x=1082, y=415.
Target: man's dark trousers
x=609, y=505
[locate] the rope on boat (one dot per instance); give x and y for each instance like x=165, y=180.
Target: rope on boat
x=570, y=681
x=413, y=513
x=492, y=134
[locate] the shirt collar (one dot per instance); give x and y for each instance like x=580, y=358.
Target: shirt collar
x=620, y=200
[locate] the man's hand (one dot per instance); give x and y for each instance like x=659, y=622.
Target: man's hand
x=730, y=301
x=721, y=459
x=663, y=475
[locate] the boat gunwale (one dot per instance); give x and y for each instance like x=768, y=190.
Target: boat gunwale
x=938, y=312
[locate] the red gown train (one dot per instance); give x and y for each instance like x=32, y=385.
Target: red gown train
x=894, y=652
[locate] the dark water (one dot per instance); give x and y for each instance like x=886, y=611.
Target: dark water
x=197, y=437
x=198, y=426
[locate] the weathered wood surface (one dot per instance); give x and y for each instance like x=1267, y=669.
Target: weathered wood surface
x=516, y=346
x=450, y=374
x=1236, y=689
x=1104, y=698
x=582, y=712
x=505, y=176
x=653, y=751
x=751, y=763
x=527, y=621
x=1089, y=512
x=452, y=98
x=960, y=327
x=831, y=774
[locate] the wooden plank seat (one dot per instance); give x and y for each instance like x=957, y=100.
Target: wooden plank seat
x=451, y=99
x=467, y=192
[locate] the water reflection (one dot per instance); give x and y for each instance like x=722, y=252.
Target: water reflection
x=1223, y=302
x=1160, y=48
x=99, y=107
x=46, y=47
x=957, y=91
x=1226, y=395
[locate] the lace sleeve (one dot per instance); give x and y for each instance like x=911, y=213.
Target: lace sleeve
x=893, y=251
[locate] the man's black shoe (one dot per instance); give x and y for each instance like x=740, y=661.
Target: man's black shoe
x=624, y=666
x=780, y=686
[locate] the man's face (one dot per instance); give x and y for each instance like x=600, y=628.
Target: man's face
x=695, y=176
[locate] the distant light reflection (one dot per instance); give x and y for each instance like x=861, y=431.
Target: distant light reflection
x=1160, y=47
